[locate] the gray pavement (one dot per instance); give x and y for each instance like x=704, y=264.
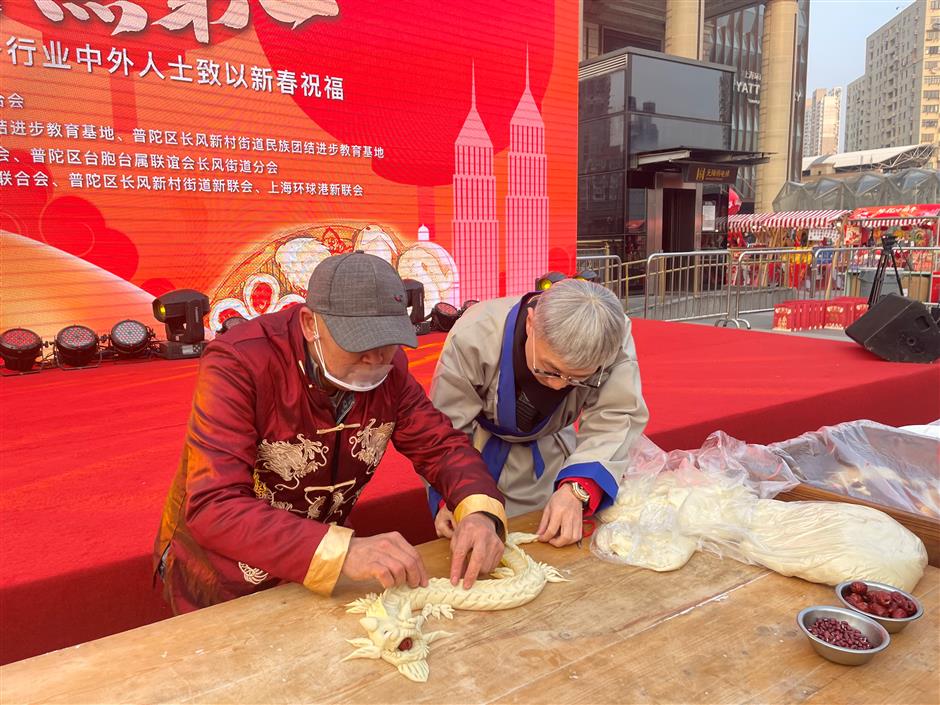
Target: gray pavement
x=764, y=322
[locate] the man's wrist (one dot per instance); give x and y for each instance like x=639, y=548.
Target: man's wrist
x=581, y=494
x=497, y=524
x=482, y=504
x=487, y=515
x=593, y=490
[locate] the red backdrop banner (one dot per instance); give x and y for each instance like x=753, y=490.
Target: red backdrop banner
x=230, y=145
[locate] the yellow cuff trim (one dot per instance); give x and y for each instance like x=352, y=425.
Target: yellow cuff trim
x=328, y=560
x=481, y=503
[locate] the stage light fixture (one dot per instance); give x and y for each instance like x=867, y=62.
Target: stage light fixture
x=414, y=300
x=181, y=311
x=467, y=304
x=545, y=282
x=19, y=349
x=76, y=346
x=444, y=316
x=231, y=322
x=130, y=338
x=588, y=275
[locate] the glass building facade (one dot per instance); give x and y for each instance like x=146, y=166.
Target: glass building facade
x=735, y=38
x=634, y=103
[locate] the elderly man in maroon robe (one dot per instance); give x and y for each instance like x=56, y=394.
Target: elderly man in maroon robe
x=291, y=416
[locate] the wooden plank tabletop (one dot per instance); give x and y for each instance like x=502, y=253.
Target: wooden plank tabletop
x=716, y=631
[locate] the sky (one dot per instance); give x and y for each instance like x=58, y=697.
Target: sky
x=837, y=33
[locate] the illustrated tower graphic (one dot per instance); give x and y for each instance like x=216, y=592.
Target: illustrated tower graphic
x=475, y=227
x=527, y=197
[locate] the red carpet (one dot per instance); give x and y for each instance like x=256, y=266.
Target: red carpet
x=88, y=457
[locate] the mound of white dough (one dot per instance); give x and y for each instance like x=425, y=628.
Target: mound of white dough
x=660, y=520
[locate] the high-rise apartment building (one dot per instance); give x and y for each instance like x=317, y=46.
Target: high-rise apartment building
x=897, y=101
x=822, y=122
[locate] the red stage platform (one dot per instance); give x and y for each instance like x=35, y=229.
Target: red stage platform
x=88, y=457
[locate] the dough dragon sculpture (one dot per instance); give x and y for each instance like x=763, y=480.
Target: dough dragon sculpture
x=395, y=636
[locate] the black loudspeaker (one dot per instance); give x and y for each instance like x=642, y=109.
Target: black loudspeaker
x=899, y=330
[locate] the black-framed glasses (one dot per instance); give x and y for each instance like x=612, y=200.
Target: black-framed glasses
x=590, y=382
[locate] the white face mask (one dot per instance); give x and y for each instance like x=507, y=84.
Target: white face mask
x=361, y=378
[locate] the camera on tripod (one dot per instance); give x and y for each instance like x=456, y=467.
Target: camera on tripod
x=888, y=257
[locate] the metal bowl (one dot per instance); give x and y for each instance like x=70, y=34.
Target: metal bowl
x=892, y=625
x=876, y=634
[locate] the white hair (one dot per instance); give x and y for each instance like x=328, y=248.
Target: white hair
x=582, y=323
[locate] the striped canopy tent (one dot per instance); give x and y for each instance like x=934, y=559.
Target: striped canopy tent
x=920, y=223
x=753, y=222
x=925, y=215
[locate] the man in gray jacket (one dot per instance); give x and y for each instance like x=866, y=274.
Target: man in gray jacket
x=516, y=375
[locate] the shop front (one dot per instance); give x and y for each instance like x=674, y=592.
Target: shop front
x=655, y=160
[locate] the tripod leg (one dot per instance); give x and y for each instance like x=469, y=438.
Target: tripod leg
x=897, y=275
x=880, y=270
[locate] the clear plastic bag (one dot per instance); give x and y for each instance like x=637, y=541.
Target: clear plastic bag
x=718, y=499
x=754, y=466
x=867, y=460
x=671, y=504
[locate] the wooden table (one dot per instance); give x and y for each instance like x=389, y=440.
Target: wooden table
x=716, y=631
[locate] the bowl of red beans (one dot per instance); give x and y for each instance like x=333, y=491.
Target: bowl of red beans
x=892, y=608
x=843, y=635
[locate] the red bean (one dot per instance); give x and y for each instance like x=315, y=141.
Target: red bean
x=839, y=633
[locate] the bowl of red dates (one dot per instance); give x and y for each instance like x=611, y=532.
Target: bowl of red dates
x=893, y=609
x=843, y=635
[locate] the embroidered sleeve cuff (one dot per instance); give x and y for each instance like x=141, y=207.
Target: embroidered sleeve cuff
x=328, y=560
x=482, y=503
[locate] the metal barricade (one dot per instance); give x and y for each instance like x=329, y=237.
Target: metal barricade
x=609, y=270
x=729, y=284
x=684, y=286
x=762, y=277
x=633, y=275
x=850, y=271
x=625, y=279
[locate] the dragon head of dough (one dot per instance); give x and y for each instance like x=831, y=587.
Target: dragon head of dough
x=394, y=636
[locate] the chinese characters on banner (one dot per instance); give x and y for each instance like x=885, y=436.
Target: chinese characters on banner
x=116, y=157
x=204, y=72
x=132, y=17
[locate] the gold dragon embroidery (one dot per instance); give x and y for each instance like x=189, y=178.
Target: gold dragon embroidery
x=255, y=576
x=370, y=441
x=337, y=497
x=263, y=492
x=292, y=461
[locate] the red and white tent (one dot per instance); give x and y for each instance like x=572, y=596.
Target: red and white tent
x=922, y=214
x=786, y=219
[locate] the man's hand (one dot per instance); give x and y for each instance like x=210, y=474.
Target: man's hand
x=386, y=557
x=476, y=543
x=444, y=523
x=561, y=519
